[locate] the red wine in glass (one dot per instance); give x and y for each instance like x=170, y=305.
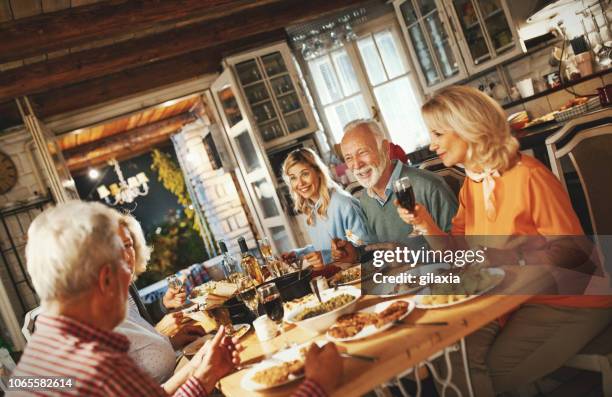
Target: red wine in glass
x=273, y=306
x=406, y=198
x=405, y=195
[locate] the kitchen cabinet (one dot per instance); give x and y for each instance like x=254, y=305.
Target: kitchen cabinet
x=450, y=40
x=268, y=83
x=431, y=42
x=253, y=171
x=485, y=32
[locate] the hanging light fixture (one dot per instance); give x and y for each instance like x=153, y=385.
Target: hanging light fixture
x=124, y=191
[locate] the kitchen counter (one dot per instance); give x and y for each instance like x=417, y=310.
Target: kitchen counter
x=534, y=138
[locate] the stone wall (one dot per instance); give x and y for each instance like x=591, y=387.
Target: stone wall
x=215, y=189
x=30, y=186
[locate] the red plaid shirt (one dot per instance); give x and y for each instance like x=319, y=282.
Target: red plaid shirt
x=96, y=360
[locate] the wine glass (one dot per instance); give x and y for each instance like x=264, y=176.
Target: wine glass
x=405, y=195
x=272, y=302
x=247, y=294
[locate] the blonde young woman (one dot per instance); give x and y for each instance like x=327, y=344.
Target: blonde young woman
x=330, y=211
x=507, y=193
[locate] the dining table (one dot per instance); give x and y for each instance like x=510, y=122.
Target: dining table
x=422, y=334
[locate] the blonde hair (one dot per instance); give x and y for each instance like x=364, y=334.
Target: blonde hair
x=478, y=120
x=309, y=158
x=142, y=250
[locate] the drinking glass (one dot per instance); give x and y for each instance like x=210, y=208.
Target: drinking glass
x=405, y=195
x=247, y=294
x=272, y=302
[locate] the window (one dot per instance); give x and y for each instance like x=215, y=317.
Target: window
x=338, y=90
x=347, y=89
x=388, y=76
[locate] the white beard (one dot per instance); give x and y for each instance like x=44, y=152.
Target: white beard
x=372, y=180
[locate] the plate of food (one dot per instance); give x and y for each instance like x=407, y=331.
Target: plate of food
x=279, y=369
x=317, y=317
x=475, y=282
x=348, y=276
x=369, y=321
x=389, y=290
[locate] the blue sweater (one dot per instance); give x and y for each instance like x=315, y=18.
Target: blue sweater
x=343, y=213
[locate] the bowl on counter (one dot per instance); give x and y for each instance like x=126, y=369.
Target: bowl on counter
x=320, y=323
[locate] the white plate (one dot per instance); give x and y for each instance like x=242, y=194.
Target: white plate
x=290, y=354
x=194, y=346
x=405, y=289
x=238, y=327
x=371, y=329
x=356, y=281
x=319, y=324
x=493, y=271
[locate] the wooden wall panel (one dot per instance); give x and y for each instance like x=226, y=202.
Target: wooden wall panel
x=54, y=5
x=26, y=8
x=5, y=11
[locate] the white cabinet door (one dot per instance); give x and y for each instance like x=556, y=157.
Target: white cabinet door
x=273, y=95
x=255, y=176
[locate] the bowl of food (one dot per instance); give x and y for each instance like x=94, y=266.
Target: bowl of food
x=318, y=317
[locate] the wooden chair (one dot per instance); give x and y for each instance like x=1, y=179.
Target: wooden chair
x=453, y=176
x=587, y=142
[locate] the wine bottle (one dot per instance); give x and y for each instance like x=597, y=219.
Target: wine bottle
x=249, y=263
x=231, y=267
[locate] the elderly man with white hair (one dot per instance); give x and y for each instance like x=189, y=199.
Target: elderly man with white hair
x=366, y=154
x=80, y=270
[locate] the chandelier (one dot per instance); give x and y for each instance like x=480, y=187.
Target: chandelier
x=328, y=36
x=124, y=192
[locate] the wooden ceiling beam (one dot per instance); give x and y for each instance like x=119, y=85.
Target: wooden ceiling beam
x=76, y=26
x=99, y=151
x=94, y=63
x=130, y=81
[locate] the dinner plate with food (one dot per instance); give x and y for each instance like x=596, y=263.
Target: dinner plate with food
x=317, y=316
x=390, y=289
x=475, y=281
x=369, y=321
x=349, y=276
x=279, y=369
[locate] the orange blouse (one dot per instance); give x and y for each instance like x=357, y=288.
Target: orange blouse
x=530, y=201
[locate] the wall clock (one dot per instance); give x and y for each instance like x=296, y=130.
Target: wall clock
x=8, y=173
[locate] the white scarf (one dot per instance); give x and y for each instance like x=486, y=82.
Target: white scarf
x=488, y=185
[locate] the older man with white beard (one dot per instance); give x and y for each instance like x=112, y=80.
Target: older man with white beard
x=366, y=154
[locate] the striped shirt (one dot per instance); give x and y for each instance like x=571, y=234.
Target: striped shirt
x=95, y=360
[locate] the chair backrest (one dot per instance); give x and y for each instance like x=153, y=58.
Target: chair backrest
x=29, y=320
x=587, y=142
x=453, y=176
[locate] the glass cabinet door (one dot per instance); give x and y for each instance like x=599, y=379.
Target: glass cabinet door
x=429, y=40
x=254, y=174
x=485, y=26
x=496, y=25
x=271, y=96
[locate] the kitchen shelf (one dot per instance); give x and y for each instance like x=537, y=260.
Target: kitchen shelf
x=552, y=90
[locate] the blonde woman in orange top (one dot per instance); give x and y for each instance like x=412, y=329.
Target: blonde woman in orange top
x=510, y=195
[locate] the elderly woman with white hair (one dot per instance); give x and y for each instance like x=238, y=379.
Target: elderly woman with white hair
x=151, y=348
x=81, y=271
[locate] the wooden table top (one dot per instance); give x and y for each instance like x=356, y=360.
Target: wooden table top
x=399, y=348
